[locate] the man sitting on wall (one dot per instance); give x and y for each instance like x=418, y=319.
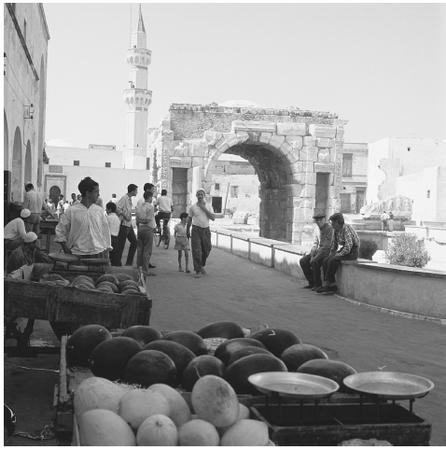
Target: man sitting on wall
x=344, y=246
x=311, y=264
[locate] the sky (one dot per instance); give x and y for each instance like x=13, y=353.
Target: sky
x=381, y=67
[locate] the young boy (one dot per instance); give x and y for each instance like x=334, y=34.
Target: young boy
x=114, y=224
x=182, y=242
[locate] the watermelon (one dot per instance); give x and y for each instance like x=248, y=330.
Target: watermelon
x=238, y=372
x=193, y=341
x=200, y=366
x=142, y=334
x=225, y=349
x=245, y=351
x=109, y=358
x=298, y=354
x=224, y=329
x=276, y=340
x=82, y=342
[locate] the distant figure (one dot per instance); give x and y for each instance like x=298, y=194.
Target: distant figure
x=390, y=222
x=182, y=242
x=100, y=202
x=114, y=223
x=199, y=215
x=384, y=221
x=165, y=208
x=145, y=221
x=114, y=199
x=73, y=199
x=34, y=202
x=311, y=264
x=124, y=210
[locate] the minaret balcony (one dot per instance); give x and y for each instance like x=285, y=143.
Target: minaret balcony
x=138, y=97
x=139, y=56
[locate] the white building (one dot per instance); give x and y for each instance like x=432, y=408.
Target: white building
x=26, y=38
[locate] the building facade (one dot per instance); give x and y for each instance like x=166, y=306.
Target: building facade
x=26, y=38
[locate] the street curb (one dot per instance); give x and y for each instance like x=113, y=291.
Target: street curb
x=394, y=312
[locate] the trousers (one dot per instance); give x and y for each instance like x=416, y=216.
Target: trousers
x=332, y=262
x=144, y=246
x=124, y=234
x=312, y=271
x=201, y=246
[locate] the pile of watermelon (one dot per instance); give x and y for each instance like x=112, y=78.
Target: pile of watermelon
x=144, y=356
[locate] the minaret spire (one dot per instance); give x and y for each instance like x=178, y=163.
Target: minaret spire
x=141, y=27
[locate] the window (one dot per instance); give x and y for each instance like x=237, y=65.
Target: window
x=347, y=159
x=428, y=194
x=76, y=162
x=234, y=191
x=108, y=164
x=147, y=163
x=217, y=186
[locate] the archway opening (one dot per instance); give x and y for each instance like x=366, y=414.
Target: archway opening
x=17, y=175
x=28, y=163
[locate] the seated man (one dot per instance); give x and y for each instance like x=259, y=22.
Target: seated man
x=15, y=231
x=164, y=204
x=344, y=246
x=311, y=264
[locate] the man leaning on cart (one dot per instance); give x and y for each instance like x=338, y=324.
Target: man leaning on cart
x=83, y=230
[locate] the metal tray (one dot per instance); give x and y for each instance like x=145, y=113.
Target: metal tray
x=297, y=385
x=391, y=385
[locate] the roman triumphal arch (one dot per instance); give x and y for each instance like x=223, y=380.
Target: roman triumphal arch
x=296, y=154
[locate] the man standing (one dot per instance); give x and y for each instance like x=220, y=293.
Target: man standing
x=34, y=202
x=83, y=230
x=165, y=208
x=199, y=215
x=344, y=246
x=124, y=212
x=384, y=221
x=311, y=264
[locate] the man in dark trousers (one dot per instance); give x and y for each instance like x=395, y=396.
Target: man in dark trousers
x=124, y=211
x=311, y=264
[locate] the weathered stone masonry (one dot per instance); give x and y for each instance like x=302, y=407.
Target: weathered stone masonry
x=287, y=148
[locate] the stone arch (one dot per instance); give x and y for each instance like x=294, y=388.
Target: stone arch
x=17, y=174
x=274, y=163
x=28, y=163
x=5, y=143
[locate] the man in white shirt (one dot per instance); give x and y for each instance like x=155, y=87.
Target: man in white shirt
x=83, y=230
x=124, y=211
x=15, y=231
x=165, y=208
x=34, y=202
x=199, y=215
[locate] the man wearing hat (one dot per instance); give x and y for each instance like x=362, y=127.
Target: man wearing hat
x=311, y=264
x=26, y=254
x=15, y=231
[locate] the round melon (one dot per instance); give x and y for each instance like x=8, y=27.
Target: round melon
x=276, y=340
x=243, y=413
x=246, y=351
x=223, y=329
x=82, y=342
x=335, y=370
x=246, y=432
x=149, y=367
x=108, y=285
x=107, y=277
x=99, y=427
x=238, y=372
x=180, y=355
x=178, y=407
x=122, y=276
x=138, y=404
x=109, y=358
x=198, y=432
x=199, y=367
x=96, y=393
x=193, y=341
x=142, y=334
x=297, y=354
x=128, y=284
x=214, y=400
x=157, y=430
x=224, y=350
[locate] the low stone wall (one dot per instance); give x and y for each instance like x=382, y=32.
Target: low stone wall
x=408, y=290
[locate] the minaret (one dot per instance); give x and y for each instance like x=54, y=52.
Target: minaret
x=137, y=98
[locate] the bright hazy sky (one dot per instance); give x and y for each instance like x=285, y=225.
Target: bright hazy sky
x=382, y=67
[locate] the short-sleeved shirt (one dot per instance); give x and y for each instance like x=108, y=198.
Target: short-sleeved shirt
x=114, y=223
x=124, y=209
x=145, y=214
x=15, y=229
x=199, y=217
x=164, y=203
x=33, y=201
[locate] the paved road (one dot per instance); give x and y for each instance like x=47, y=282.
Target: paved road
x=253, y=295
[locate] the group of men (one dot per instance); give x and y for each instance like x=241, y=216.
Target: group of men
x=334, y=242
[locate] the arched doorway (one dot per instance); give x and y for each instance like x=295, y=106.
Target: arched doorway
x=28, y=163
x=17, y=173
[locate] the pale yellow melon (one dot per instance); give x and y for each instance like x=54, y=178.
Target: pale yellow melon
x=246, y=432
x=157, y=430
x=243, y=413
x=179, y=409
x=198, y=432
x=104, y=427
x=215, y=401
x=138, y=404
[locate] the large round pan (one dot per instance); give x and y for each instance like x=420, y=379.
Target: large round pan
x=391, y=385
x=298, y=385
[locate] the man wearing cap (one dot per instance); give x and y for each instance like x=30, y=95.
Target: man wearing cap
x=83, y=230
x=34, y=202
x=15, y=231
x=199, y=215
x=311, y=264
x=344, y=246
x=26, y=254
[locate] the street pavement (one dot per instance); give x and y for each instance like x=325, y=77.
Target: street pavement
x=255, y=296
